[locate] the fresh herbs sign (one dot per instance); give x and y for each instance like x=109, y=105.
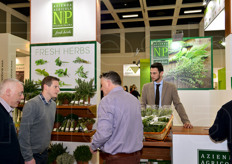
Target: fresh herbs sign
x=62, y=22
x=216, y=157
x=160, y=52
x=69, y=62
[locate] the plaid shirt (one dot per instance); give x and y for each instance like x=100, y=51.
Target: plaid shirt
x=44, y=100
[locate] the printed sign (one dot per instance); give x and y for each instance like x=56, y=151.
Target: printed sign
x=160, y=52
x=68, y=62
x=210, y=156
x=62, y=19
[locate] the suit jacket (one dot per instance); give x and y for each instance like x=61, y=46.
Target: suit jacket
x=169, y=95
x=9, y=145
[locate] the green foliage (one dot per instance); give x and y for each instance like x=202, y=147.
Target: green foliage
x=59, y=118
x=62, y=72
x=65, y=158
x=80, y=60
x=62, y=96
x=42, y=72
x=59, y=62
x=82, y=153
x=54, y=151
x=91, y=89
x=81, y=73
x=82, y=89
x=61, y=84
x=190, y=69
x=30, y=89
x=40, y=62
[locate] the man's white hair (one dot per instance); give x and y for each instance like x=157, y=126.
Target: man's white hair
x=5, y=84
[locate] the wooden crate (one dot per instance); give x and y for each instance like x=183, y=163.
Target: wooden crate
x=159, y=135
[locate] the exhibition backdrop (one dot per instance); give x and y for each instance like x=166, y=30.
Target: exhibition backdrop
x=187, y=63
x=68, y=62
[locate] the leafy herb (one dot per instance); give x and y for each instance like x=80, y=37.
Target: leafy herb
x=61, y=84
x=80, y=60
x=42, y=72
x=61, y=72
x=80, y=72
x=59, y=62
x=40, y=62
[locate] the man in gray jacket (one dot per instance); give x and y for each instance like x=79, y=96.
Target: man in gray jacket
x=37, y=123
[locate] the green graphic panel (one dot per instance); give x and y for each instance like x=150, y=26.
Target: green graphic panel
x=62, y=18
x=208, y=157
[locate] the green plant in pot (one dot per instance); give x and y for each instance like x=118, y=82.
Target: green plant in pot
x=54, y=151
x=82, y=154
x=91, y=90
x=65, y=97
x=31, y=89
x=65, y=158
x=82, y=86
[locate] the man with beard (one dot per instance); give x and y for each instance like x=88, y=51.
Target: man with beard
x=160, y=93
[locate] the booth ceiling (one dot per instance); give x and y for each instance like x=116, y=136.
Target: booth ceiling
x=150, y=13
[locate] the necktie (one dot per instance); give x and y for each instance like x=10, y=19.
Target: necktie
x=157, y=96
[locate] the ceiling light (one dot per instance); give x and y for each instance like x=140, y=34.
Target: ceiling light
x=130, y=16
x=192, y=11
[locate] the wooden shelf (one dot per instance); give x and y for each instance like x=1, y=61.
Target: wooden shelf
x=81, y=111
x=72, y=136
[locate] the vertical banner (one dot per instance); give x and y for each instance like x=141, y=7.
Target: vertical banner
x=62, y=22
x=160, y=52
x=188, y=63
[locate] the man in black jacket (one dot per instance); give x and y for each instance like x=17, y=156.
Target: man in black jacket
x=222, y=127
x=11, y=93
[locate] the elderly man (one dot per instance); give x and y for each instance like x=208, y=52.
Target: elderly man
x=11, y=93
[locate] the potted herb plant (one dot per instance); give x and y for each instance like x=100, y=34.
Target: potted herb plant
x=82, y=154
x=82, y=88
x=65, y=97
x=65, y=158
x=31, y=89
x=54, y=151
x=91, y=90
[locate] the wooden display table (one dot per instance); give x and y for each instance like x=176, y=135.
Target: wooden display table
x=161, y=150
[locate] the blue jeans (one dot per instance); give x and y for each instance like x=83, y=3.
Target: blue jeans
x=41, y=158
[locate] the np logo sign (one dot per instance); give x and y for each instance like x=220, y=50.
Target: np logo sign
x=62, y=19
x=160, y=52
x=213, y=157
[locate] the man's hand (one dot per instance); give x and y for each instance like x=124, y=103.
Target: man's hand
x=188, y=125
x=91, y=150
x=30, y=162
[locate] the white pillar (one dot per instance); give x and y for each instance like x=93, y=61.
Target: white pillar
x=228, y=50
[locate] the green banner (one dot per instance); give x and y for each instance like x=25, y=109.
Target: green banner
x=216, y=157
x=160, y=52
x=62, y=19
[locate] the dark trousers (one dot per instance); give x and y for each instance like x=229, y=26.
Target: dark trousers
x=122, y=158
x=41, y=158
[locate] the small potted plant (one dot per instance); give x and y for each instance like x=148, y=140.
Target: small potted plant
x=89, y=123
x=31, y=89
x=54, y=151
x=65, y=158
x=82, y=154
x=82, y=88
x=91, y=90
x=65, y=97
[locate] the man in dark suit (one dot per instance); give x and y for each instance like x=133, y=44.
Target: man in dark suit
x=167, y=93
x=11, y=93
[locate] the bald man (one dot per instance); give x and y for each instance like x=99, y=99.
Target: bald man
x=11, y=93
